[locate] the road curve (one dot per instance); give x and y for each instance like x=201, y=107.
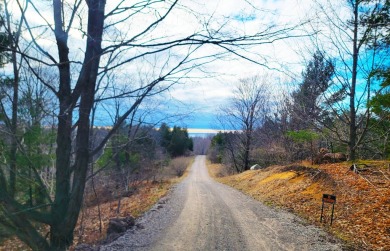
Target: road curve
x=205, y=215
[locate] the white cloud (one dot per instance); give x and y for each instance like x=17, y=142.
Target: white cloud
x=205, y=93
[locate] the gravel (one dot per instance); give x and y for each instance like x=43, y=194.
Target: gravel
x=201, y=214
x=149, y=226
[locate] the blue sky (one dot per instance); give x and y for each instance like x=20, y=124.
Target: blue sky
x=288, y=57
x=203, y=95
x=200, y=92
x=195, y=100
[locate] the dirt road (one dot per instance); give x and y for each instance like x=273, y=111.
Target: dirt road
x=202, y=214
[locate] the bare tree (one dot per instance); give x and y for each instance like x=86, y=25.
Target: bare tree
x=245, y=112
x=13, y=32
x=201, y=145
x=102, y=45
x=343, y=35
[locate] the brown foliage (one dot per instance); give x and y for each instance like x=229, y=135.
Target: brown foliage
x=179, y=165
x=334, y=157
x=362, y=207
x=324, y=156
x=139, y=198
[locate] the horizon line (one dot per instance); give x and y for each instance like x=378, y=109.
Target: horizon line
x=191, y=130
x=207, y=131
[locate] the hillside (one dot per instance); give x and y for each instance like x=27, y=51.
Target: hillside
x=142, y=195
x=363, y=199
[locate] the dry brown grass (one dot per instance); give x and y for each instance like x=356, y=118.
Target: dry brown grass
x=145, y=196
x=179, y=165
x=88, y=228
x=363, y=205
x=217, y=170
x=91, y=228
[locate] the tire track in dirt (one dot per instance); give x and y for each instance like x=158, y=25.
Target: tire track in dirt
x=202, y=214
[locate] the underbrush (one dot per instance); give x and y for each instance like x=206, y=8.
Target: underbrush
x=218, y=170
x=178, y=166
x=114, y=194
x=138, y=198
x=93, y=221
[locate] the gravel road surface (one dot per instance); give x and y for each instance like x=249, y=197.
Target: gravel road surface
x=201, y=214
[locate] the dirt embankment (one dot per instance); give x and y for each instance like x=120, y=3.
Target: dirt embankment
x=363, y=199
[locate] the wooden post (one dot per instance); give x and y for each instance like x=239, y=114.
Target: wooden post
x=327, y=198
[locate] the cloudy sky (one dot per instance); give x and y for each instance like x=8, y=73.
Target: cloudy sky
x=195, y=99
x=203, y=97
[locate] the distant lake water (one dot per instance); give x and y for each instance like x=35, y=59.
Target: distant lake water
x=203, y=133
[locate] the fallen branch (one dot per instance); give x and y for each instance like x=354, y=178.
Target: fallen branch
x=384, y=175
x=357, y=170
x=368, y=181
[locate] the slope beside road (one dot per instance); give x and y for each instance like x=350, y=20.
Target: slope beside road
x=201, y=214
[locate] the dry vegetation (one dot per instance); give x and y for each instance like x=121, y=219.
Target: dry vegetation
x=363, y=200
x=91, y=228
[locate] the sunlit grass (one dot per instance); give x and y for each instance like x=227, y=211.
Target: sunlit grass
x=361, y=210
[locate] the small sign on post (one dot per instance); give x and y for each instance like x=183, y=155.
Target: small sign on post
x=327, y=198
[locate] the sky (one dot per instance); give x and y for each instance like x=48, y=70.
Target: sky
x=197, y=95
x=204, y=97
x=196, y=99
x=287, y=58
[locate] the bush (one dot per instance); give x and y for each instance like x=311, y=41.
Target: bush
x=179, y=165
x=214, y=156
x=270, y=156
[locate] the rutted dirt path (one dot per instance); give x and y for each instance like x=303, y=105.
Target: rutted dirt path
x=202, y=214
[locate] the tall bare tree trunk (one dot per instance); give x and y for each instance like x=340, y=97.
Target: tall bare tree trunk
x=249, y=135
x=14, y=127
x=59, y=240
x=13, y=38
x=352, y=125
x=68, y=197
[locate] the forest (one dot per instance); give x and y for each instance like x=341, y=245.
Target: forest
x=310, y=119
x=84, y=87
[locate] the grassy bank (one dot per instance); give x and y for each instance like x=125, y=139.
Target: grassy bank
x=363, y=200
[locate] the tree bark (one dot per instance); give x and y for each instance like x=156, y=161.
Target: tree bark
x=58, y=239
x=13, y=38
x=68, y=199
x=352, y=125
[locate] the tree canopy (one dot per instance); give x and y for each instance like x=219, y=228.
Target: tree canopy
x=175, y=141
